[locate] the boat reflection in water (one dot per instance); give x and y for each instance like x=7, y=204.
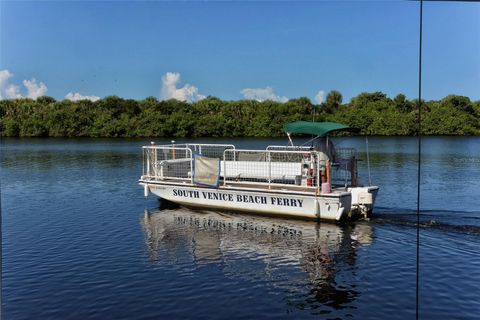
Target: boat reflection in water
x=312, y=264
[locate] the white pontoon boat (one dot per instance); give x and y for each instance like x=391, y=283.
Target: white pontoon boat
x=312, y=182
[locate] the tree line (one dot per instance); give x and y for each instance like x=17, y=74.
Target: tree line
x=373, y=113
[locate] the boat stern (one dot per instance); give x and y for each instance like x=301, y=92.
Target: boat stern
x=363, y=200
x=334, y=206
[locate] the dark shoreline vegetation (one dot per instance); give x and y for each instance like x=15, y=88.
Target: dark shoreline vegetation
x=373, y=113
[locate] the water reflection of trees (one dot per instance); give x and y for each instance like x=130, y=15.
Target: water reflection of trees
x=324, y=254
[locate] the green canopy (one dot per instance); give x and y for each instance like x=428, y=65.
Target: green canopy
x=316, y=128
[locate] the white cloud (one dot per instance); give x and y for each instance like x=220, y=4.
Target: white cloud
x=320, y=97
x=169, y=89
x=77, y=97
x=262, y=94
x=34, y=89
x=13, y=92
x=4, y=76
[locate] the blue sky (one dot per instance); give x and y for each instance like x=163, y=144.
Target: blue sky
x=286, y=49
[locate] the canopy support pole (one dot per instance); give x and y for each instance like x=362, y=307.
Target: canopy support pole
x=290, y=139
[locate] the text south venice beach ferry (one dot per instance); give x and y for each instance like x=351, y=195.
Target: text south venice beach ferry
x=257, y=199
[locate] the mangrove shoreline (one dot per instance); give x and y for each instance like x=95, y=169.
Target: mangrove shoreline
x=373, y=113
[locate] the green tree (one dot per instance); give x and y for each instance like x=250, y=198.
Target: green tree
x=334, y=100
x=460, y=103
x=402, y=104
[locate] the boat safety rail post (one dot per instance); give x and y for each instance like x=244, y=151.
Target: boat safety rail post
x=143, y=163
x=225, y=167
x=269, y=159
x=328, y=173
x=354, y=171
x=146, y=158
x=155, y=161
x=318, y=175
x=149, y=159
x=192, y=167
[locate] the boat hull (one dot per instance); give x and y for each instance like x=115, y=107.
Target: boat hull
x=334, y=206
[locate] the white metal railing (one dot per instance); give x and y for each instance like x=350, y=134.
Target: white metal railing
x=210, y=150
x=206, y=149
x=303, y=168
x=289, y=148
x=344, y=168
x=167, y=162
x=175, y=161
x=300, y=168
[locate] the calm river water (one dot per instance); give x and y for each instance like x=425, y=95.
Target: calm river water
x=80, y=241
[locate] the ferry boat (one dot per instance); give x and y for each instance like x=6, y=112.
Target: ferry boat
x=316, y=181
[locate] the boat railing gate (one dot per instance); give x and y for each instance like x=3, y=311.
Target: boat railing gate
x=344, y=170
x=175, y=161
x=167, y=162
x=272, y=168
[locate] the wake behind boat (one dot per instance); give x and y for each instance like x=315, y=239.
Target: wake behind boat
x=311, y=182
